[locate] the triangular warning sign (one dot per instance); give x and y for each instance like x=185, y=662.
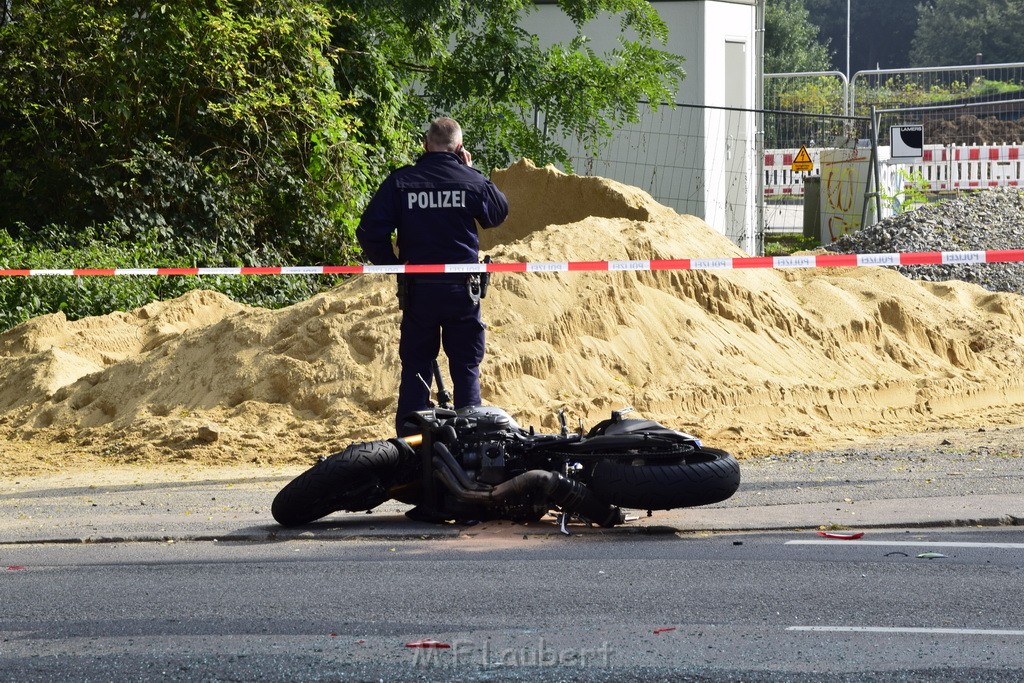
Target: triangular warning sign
x=802, y=162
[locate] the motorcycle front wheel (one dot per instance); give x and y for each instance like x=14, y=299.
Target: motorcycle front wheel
x=355, y=479
x=701, y=477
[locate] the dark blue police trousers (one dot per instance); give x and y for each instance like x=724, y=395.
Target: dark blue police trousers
x=437, y=315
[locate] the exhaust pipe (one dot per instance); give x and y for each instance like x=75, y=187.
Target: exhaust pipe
x=571, y=496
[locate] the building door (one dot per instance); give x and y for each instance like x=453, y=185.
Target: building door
x=738, y=146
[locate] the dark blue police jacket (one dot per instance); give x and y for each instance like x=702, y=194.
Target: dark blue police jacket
x=435, y=205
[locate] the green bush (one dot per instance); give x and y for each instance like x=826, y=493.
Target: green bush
x=214, y=122
x=251, y=132
x=22, y=298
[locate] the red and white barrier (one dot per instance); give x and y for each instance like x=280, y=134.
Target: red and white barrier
x=968, y=168
x=780, y=180
x=730, y=263
x=943, y=168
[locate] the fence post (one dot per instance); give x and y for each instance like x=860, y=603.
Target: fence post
x=874, y=169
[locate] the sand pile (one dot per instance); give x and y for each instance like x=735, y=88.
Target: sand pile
x=755, y=361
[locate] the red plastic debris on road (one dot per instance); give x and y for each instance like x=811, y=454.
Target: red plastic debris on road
x=665, y=630
x=842, y=537
x=429, y=643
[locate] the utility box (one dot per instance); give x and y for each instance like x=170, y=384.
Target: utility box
x=812, y=206
x=844, y=176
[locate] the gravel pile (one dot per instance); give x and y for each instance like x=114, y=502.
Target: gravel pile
x=985, y=221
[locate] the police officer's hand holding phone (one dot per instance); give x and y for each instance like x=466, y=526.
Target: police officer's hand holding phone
x=464, y=154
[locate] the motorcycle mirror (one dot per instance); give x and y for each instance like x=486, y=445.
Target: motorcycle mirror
x=617, y=414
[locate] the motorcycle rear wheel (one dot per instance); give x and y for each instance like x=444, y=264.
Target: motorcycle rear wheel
x=354, y=479
x=704, y=476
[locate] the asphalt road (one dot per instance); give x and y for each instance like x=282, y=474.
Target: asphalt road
x=702, y=606
x=181, y=574
x=947, y=479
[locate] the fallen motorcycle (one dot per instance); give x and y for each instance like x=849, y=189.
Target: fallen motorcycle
x=479, y=464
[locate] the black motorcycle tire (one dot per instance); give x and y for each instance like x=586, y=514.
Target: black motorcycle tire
x=705, y=476
x=355, y=479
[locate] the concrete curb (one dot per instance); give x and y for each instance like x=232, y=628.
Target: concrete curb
x=389, y=526
x=233, y=504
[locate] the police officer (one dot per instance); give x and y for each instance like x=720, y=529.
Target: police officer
x=434, y=206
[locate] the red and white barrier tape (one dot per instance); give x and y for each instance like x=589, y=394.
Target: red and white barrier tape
x=808, y=261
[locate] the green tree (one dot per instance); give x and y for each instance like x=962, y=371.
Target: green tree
x=953, y=32
x=791, y=46
x=213, y=121
x=406, y=61
x=232, y=132
x=260, y=126
x=791, y=40
x=880, y=31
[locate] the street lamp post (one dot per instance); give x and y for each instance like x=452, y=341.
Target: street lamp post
x=847, y=41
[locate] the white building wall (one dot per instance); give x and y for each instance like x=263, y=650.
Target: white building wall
x=697, y=161
x=730, y=75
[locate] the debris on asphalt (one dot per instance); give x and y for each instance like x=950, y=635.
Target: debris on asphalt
x=435, y=644
x=842, y=537
x=930, y=556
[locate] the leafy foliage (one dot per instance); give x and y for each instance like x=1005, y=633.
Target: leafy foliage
x=211, y=120
x=246, y=132
x=22, y=298
x=791, y=40
x=406, y=61
x=906, y=90
x=911, y=193
x=788, y=243
x=954, y=31
x=880, y=31
x=791, y=47
x=892, y=35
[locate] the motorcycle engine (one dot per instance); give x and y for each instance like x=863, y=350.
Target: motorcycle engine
x=484, y=433
x=484, y=420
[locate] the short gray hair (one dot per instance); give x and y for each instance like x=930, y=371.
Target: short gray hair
x=445, y=134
